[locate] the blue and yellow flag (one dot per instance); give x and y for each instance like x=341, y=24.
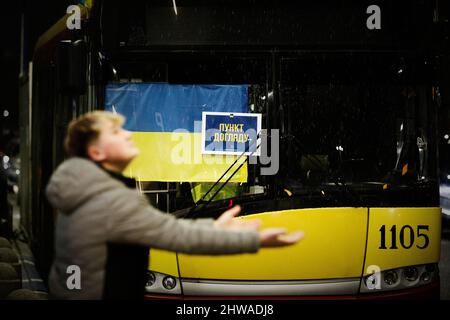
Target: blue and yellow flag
x=166, y=123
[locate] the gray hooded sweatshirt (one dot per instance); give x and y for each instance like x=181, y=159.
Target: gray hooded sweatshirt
x=96, y=209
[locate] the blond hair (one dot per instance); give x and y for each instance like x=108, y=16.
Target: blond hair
x=85, y=129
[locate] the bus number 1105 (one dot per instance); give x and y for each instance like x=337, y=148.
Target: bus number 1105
x=406, y=236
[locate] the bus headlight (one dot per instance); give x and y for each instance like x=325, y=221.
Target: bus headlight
x=169, y=283
x=410, y=274
x=151, y=279
x=371, y=281
x=162, y=283
x=390, y=277
x=400, y=278
x=425, y=277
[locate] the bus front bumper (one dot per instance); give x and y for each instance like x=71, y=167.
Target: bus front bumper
x=427, y=292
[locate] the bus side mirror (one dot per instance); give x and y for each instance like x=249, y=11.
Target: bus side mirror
x=72, y=71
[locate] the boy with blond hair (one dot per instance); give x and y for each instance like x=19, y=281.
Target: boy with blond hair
x=105, y=226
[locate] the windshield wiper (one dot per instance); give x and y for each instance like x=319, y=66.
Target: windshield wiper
x=202, y=202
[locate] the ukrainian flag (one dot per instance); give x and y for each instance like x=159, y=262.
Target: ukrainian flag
x=166, y=120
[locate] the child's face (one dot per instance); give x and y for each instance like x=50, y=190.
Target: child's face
x=114, y=145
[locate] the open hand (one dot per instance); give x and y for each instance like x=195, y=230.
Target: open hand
x=226, y=221
x=277, y=237
x=271, y=237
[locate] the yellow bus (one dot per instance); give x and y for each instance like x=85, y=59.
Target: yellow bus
x=349, y=102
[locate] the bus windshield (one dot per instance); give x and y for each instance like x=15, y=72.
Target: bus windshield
x=357, y=126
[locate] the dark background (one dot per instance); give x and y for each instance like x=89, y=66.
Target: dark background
x=37, y=17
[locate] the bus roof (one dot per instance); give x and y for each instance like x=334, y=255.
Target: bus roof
x=56, y=33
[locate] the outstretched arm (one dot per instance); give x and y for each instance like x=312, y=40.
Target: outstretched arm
x=271, y=237
x=133, y=220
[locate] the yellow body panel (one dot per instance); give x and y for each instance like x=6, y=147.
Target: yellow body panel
x=389, y=258
x=176, y=156
x=163, y=262
x=333, y=247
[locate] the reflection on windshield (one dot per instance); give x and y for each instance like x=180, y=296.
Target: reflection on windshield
x=355, y=133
